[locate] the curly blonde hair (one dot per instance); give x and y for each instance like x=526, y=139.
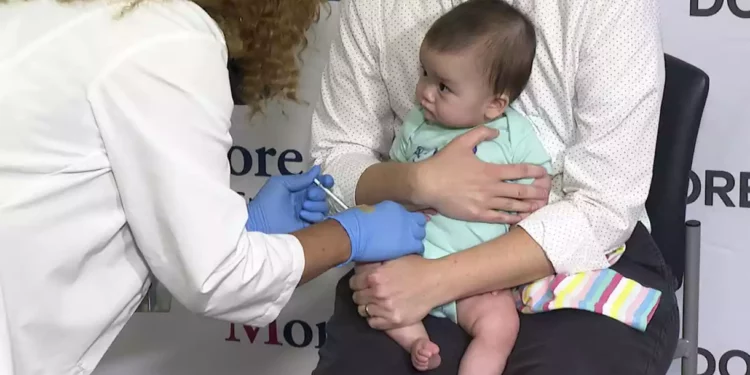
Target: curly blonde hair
x=264, y=38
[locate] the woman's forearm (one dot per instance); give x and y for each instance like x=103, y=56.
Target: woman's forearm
x=325, y=245
x=389, y=181
x=507, y=261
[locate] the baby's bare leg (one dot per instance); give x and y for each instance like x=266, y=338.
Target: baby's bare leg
x=414, y=338
x=491, y=319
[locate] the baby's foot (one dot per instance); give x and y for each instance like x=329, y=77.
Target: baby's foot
x=424, y=355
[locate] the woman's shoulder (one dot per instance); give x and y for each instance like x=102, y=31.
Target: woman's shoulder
x=151, y=26
x=95, y=35
x=117, y=21
x=148, y=19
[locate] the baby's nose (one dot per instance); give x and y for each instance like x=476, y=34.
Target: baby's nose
x=428, y=96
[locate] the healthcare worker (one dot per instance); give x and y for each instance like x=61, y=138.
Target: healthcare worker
x=114, y=132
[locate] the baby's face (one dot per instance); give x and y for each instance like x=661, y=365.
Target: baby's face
x=454, y=90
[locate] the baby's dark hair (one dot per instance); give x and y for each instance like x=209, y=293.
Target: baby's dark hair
x=507, y=38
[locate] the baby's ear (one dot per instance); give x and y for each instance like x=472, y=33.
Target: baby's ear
x=496, y=106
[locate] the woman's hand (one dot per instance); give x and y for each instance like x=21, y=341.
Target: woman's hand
x=541, y=183
x=286, y=204
x=382, y=232
x=396, y=293
x=459, y=185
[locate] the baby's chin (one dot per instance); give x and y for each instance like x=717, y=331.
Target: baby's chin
x=429, y=116
x=452, y=124
x=448, y=123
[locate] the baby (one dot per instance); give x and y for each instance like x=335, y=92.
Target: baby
x=476, y=59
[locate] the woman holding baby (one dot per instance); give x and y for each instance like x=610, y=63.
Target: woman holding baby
x=574, y=241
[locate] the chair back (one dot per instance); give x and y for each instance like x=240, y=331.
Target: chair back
x=685, y=93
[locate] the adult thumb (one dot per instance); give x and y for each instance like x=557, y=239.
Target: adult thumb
x=475, y=136
x=302, y=181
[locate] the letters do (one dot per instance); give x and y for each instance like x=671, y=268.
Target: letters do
x=722, y=366
x=701, y=8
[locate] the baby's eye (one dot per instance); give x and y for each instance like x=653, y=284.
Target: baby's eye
x=443, y=87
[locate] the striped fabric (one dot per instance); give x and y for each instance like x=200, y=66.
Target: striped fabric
x=604, y=292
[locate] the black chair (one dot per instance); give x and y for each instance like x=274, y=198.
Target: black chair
x=685, y=93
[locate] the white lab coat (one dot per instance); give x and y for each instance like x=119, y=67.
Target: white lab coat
x=113, y=159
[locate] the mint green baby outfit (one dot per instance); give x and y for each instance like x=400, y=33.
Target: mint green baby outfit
x=419, y=139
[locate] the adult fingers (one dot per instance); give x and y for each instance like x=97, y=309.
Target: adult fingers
x=544, y=182
x=364, y=297
x=418, y=231
x=519, y=191
x=367, y=267
x=474, y=137
x=363, y=310
x=315, y=193
x=382, y=323
x=539, y=203
x=511, y=205
x=419, y=218
x=326, y=180
x=315, y=206
x=302, y=181
x=371, y=311
x=312, y=217
x=506, y=172
x=359, y=281
x=498, y=217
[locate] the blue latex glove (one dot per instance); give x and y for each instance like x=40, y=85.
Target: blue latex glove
x=286, y=204
x=382, y=232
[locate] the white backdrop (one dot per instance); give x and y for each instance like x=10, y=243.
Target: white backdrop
x=711, y=34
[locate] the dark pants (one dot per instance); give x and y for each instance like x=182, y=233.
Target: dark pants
x=559, y=342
